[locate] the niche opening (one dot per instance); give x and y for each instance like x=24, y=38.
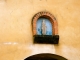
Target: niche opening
x=45, y=28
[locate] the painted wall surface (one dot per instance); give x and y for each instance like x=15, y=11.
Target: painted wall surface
x=16, y=38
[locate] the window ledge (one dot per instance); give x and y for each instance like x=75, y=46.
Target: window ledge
x=46, y=39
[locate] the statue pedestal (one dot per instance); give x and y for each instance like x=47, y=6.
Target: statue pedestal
x=46, y=39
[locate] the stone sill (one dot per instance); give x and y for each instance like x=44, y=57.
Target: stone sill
x=46, y=39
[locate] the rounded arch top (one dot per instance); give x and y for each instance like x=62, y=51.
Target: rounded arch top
x=47, y=15
x=44, y=14
x=43, y=56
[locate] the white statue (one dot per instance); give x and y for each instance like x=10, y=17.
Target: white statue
x=43, y=27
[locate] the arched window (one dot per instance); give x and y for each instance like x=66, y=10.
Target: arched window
x=45, y=28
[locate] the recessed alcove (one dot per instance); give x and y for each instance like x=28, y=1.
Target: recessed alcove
x=45, y=28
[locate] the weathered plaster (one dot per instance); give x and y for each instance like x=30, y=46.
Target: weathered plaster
x=16, y=40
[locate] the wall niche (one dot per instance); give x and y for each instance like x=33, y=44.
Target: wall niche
x=45, y=28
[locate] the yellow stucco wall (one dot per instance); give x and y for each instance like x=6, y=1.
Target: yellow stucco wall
x=16, y=40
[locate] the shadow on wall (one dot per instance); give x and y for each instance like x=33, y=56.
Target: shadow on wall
x=45, y=56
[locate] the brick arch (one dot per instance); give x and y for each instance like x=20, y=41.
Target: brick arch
x=48, y=16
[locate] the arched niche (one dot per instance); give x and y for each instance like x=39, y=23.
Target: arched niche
x=45, y=23
x=51, y=36
x=45, y=56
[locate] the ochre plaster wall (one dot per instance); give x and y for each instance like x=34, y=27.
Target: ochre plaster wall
x=16, y=38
